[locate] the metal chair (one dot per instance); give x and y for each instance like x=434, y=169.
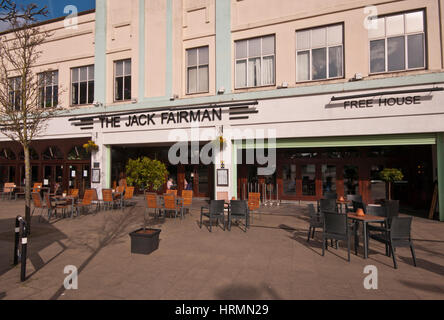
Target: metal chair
x=38, y=204
x=7, y=191
x=239, y=211
x=152, y=202
x=336, y=227
x=328, y=205
x=187, y=196
x=316, y=221
x=108, y=199
x=398, y=235
x=214, y=212
x=86, y=201
x=254, y=202
x=352, y=197
x=330, y=195
x=170, y=204
x=128, y=196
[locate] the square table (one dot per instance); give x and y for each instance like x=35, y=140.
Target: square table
x=365, y=219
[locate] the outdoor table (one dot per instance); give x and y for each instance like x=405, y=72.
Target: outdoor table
x=118, y=195
x=365, y=220
x=341, y=204
x=65, y=200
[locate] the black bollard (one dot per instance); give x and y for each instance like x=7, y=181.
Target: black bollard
x=24, y=249
x=17, y=238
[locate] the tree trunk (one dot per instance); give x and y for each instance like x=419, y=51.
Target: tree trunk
x=389, y=190
x=27, y=187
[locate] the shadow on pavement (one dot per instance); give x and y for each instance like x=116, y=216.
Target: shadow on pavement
x=244, y=292
x=43, y=236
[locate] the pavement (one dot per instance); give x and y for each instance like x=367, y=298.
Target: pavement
x=272, y=260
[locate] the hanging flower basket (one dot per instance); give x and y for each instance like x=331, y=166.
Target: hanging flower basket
x=90, y=146
x=221, y=141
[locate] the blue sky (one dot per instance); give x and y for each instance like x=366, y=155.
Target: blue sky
x=56, y=7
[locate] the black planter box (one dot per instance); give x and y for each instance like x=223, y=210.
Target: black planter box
x=143, y=243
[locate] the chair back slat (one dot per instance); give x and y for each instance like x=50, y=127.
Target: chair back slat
x=37, y=200
x=107, y=195
x=170, y=201
x=172, y=192
x=88, y=197
x=151, y=200
x=392, y=208
x=401, y=228
x=95, y=197
x=129, y=193
x=187, y=196
x=335, y=223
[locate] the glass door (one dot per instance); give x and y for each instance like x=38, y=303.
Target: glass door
x=79, y=177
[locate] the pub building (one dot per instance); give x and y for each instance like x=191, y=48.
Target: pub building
x=328, y=101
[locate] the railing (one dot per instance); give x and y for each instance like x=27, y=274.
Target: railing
x=269, y=192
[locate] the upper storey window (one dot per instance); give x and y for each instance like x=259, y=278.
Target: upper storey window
x=15, y=93
x=82, y=80
x=255, y=62
x=122, y=80
x=197, y=70
x=397, y=42
x=48, y=89
x=319, y=53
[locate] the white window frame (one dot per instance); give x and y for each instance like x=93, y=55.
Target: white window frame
x=327, y=47
x=123, y=76
x=405, y=35
x=44, y=86
x=261, y=56
x=197, y=66
x=79, y=82
x=14, y=90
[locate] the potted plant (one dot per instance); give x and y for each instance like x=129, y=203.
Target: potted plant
x=90, y=146
x=390, y=175
x=152, y=174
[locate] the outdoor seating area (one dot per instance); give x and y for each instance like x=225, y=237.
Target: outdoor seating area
x=342, y=219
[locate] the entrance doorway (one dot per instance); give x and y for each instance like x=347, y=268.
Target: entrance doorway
x=79, y=176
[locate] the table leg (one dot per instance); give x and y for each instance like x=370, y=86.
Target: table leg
x=365, y=240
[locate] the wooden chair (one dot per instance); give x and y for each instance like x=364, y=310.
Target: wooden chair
x=95, y=199
x=172, y=192
x=38, y=204
x=107, y=198
x=129, y=193
x=37, y=187
x=187, y=196
x=170, y=204
x=8, y=189
x=151, y=202
x=254, y=202
x=73, y=193
x=86, y=202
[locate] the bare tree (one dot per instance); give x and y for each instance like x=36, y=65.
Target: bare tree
x=10, y=11
x=23, y=110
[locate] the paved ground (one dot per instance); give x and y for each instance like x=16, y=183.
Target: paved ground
x=271, y=261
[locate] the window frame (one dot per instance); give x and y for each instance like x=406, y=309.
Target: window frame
x=45, y=75
x=197, y=66
x=15, y=91
x=405, y=35
x=79, y=82
x=326, y=47
x=123, y=76
x=248, y=57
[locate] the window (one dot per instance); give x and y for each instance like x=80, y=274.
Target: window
x=255, y=64
x=122, y=80
x=15, y=93
x=397, y=43
x=48, y=89
x=197, y=70
x=82, y=80
x=319, y=53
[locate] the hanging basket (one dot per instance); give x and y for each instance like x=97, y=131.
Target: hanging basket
x=91, y=146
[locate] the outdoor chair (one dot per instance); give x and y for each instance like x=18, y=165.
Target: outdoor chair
x=330, y=195
x=352, y=197
x=254, y=202
x=172, y=192
x=328, y=205
x=53, y=206
x=127, y=197
x=398, y=235
x=37, y=187
x=170, y=204
x=7, y=191
x=336, y=227
x=316, y=221
x=392, y=209
x=73, y=193
x=152, y=202
x=214, y=212
x=86, y=202
x=38, y=204
x=238, y=211
x=108, y=199
x=187, y=196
